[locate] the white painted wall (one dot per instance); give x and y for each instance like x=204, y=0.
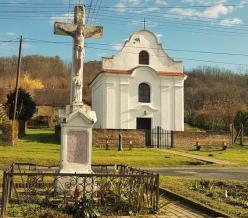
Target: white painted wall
x=115, y=96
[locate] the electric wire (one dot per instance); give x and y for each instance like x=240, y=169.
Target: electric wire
x=93, y=11
x=32, y=40
x=88, y=14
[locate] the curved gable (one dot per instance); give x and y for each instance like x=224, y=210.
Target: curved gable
x=142, y=40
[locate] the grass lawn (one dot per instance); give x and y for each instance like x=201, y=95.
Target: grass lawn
x=40, y=147
x=235, y=153
x=190, y=128
x=228, y=196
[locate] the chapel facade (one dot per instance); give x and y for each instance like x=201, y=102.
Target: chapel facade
x=140, y=87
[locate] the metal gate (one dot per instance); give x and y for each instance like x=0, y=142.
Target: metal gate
x=160, y=138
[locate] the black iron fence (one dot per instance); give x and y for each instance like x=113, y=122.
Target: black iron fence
x=159, y=138
x=116, y=188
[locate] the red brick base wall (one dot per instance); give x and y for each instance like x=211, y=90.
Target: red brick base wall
x=101, y=136
x=190, y=138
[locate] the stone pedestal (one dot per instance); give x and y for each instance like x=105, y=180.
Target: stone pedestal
x=76, y=140
x=10, y=133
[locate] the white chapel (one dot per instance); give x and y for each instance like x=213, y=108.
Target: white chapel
x=140, y=87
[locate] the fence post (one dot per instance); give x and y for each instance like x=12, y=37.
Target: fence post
x=157, y=136
x=4, y=196
x=120, y=143
x=107, y=144
x=172, y=139
x=11, y=180
x=157, y=192
x=130, y=145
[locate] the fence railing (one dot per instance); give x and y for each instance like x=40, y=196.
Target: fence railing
x=31, y=187
x=160, y=138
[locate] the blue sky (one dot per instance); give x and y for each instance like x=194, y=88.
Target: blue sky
x=199, y=32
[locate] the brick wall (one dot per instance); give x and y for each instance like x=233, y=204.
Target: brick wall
x=189, y=138
x=100, y=136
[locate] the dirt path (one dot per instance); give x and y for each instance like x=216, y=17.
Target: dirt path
x=198, y=157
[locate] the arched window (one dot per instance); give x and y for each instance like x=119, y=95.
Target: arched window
x=144, y=92
x=144, y=57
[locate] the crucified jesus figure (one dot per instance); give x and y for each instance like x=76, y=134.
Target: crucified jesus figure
x=78, y=50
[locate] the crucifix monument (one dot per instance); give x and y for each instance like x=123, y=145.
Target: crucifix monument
x=77, y=119
x=78, y=31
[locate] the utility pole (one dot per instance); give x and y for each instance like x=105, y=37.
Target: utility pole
x=17, y=78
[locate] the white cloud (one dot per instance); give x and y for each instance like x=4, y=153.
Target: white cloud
x=130, y=5
x=27, y=45
x=242, y=3
x=134, y=2
x=161, y=2
x=116, y=46
x=204, y=2
x=10, y=34
x=103, y=54
x=66, y=17
x=230, y=22
x=120, y=7
x=6, y=46
x=210, y=12
x=159, y=35
x=152, y=9
x=216, y=11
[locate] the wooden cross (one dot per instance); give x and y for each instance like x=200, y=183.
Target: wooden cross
x=79, y=31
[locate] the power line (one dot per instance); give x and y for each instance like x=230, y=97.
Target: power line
x=33, y=40
x=192, y=26
x=69, y=5
x=93, y=11
x=190, y=29
x=88, y=14
x=133, y=7
x=98, y=9
x=190, y=59
x=181, y=50
x=175, y=16
x=177, y=6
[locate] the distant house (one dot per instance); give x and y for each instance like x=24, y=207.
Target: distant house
x=140, y=87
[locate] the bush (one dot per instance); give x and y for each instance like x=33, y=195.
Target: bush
x=25, y=105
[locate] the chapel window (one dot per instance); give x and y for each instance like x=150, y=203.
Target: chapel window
x=144, y=58
x=144, y=93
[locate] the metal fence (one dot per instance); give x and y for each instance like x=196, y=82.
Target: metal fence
x=159, y=138
x=32, y=187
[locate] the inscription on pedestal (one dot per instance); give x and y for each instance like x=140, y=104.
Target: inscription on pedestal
x=77, y=147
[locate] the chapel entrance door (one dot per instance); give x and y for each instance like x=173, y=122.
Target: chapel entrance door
x=145, y=124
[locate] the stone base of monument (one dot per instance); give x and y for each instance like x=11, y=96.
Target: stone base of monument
x=76, y=146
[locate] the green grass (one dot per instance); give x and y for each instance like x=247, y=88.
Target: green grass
x=235, y=153
x=40, y=147
x=214, y=195
x=190, y=128
x=141, y=157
